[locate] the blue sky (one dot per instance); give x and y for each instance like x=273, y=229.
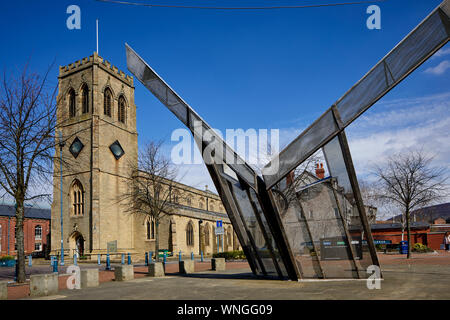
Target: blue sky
x=248, y=69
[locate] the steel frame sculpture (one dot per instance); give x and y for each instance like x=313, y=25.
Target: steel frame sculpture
x=269, y=233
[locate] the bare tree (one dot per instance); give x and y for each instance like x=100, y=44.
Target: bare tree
x=409, y=180
x=27, y=123
x=369, y=192
x=151, y=187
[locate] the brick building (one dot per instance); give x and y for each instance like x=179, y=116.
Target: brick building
x=36, y=230
x=431, y=235
x=428, y=226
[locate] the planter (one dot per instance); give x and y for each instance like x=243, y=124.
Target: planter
x=8, y=263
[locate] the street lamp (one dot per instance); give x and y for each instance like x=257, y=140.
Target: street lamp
x=61, y=145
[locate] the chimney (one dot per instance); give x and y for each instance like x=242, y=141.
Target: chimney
x=290, y=178
x=320, y=171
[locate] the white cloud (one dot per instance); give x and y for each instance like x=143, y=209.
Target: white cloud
x=400, y=125
x=443, y=52
x=439, y=69
x=401, y=113
x=197, y=176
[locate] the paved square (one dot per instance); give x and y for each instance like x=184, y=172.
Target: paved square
x=426, y=276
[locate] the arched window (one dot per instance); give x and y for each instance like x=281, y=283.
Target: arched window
x=176, y=197
x=107, y=102
x=211, y=206
x=38, y=233
x=229, y=235
x=201, y=203
x=72, y=105
x=122, y=109
x=189, y=200
x=190, y=234
x=151, y=228
x=77, y=194
x=207, y=235
x=85, y=98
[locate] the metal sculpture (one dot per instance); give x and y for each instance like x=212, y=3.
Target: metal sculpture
x=308, y=227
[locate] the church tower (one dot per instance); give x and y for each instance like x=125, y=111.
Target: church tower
x=96, y=116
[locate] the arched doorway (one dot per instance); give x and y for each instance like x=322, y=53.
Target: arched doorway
x=77, y=243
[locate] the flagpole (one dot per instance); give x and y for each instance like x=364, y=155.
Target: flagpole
x=97, y=33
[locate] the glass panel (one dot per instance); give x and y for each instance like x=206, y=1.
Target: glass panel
x=345, y=198
x=266, y=227
x=320, y=218
x=364, y=94
x=294, y=220
x=419, y=44
x=300, y=149
x=253, y=227
x=238, y=223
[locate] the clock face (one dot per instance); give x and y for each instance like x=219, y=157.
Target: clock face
x=117, y=150
x=76, y=147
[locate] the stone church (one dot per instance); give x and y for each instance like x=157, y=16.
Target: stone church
x=96, y=123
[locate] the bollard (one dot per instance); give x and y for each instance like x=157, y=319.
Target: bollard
x=75, y=259
x=43, y=284
x=89, y=278
x=55, y=264
x=30, y=261
x=108, y=262
x=124, y=273
x=164, y=257
x=150, y=257
x=179, y=256
x=129, y=258
x=123, y=258
x=99, y=259
x=201, y=256
x=146, y=259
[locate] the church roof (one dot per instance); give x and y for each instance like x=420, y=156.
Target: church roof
x=30, y=212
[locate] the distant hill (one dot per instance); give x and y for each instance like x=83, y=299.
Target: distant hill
x=429, y=214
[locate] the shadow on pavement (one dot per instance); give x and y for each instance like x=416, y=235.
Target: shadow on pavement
x=238, y=276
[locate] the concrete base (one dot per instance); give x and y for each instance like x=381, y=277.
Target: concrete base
x=156, y=269
x=218, y=264
x=3, y=290
x=43, y=284
x=89, y=278
x=186, y=266
x=124, y=272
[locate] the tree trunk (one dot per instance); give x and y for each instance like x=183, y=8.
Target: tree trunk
x=157, y=240
x=20, y=240
x=408, y=231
